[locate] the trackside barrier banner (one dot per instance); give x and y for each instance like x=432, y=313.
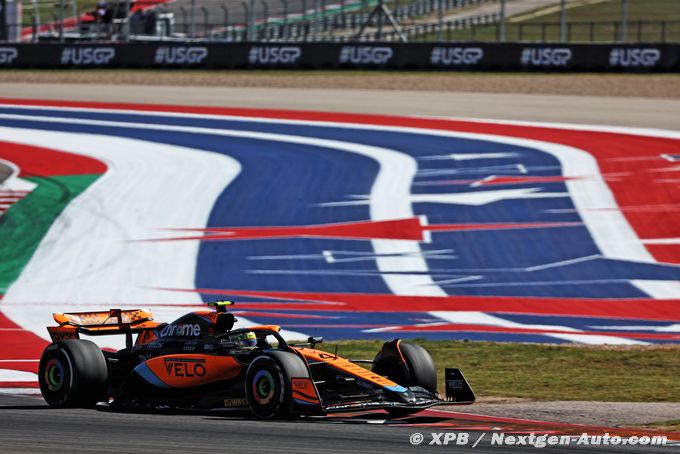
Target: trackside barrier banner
x=409, y=56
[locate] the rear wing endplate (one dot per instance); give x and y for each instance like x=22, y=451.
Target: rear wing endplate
x=114, y=321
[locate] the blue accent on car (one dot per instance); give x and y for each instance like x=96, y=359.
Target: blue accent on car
x=147, y=374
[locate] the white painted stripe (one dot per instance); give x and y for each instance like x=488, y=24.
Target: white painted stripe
x=480, y=318
x=19, y=360
x=672, y=328
x=472, y=198
x=469, y=156
x=10, y=375
x=662, y=290
x=546, y=266
x=661, y=241
x=21, y=391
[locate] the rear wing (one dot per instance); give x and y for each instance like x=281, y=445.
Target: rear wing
x=114, y=321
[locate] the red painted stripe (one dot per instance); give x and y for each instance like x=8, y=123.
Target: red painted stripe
x=500, y=226
x=666, y=310
x=37, y=161
x=398, y=229
x=19, y=345
x=19, y=384
x=509, y=180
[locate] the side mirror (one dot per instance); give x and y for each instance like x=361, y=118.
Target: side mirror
x=314, y=340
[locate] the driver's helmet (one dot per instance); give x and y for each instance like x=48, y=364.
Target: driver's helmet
x=247, y=340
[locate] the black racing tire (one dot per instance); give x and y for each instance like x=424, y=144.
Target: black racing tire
x=421, y=367
x=73, y=373
x=406, y=364
x=268, y=384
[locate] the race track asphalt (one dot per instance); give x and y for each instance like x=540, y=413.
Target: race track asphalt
x=597, y=110
x=28, y=425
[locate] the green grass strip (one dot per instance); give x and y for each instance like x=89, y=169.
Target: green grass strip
x=25, y=224
x=547, y=372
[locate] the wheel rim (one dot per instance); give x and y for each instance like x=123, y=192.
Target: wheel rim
x=54, y=375
x=264, y=387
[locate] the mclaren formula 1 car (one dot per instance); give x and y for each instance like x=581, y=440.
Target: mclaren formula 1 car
x=200, y=361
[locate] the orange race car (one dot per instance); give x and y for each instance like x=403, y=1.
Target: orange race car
x=199, y=361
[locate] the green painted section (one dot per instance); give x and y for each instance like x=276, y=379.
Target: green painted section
x=25, y=224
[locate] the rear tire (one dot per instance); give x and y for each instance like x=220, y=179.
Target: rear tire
x=73, y=373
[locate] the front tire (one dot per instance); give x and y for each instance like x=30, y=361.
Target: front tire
x=73, y=373
x=267, y=390
x=406, y=364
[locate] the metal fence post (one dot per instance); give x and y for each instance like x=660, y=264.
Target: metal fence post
x=265, y=27
x=246, y=16
x=440, y=20
x=624, y=21
x=126, y=32
x=61, y=20
x=225, y=8
x=302, y=24
x=206, y=20
x=563, y=20
x=251, y=27
x=192, y=25
x=663, y=31
x=285, y=31
x=317, y=20
x=501, y=28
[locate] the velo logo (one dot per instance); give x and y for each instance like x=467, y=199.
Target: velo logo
x=180, y=55
x=371, y=55
x=546, y=56
x=273, y=55
x=634, y=57
x=84, y=56
x=456, y=55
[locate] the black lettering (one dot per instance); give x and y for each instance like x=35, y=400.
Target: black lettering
x=199, y=370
